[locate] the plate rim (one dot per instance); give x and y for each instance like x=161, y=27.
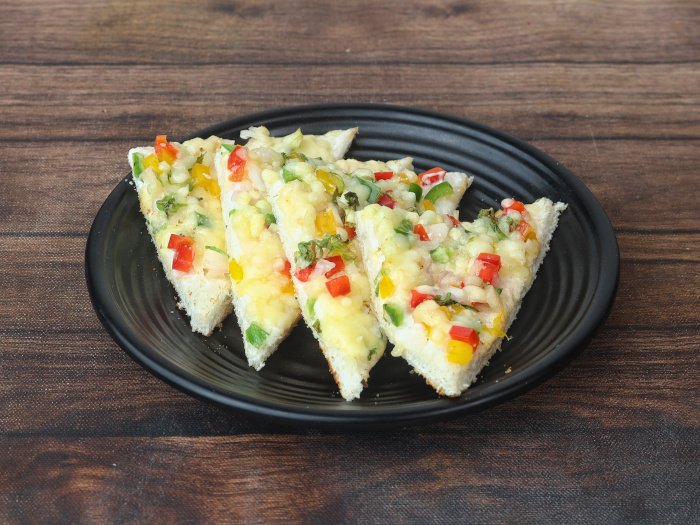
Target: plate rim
x=366, y=417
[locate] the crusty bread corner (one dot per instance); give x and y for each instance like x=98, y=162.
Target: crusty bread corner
x=448, y=379
x=207, y=302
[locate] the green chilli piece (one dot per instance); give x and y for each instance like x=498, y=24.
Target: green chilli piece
x=405, y=227
x=288, y=175
x=270, y=219
x=395, y=313
x=374, y=190
x=417, y=190
x=255, y=335
x=229, y=147
x=441, y=254
x=139, y=166
x=443, y=189
x=310, y=303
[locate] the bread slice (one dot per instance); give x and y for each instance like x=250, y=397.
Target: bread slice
x=263, y=294
x=446, y=294
x=315, y=204
x=179, y=200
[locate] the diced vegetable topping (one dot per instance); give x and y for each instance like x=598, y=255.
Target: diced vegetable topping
x=287, y=270
x=235, y=270
x=441, y=254
x=169, y=205
x=455, y=221
x=315, y=249
x=339, y=265
x=395, y=313
x=325, y=222
x=418, y=297
x=374, y=190
x=416, y=189
x=184, y=252
x=270, y=219
x=164, y=150
x=236, y=164
x=217, y=250
x=304, y=274
x=443, y=189
x=152, y=162
x=463, y=333
x=526, y=231
x=427, y=205
x=255, y=335
x=338, y=286
x=459, y=352
x=488, y=267
x=137, y=161
x=405, y=227
x=351, y=232
x=202, y=176
x=333, y=183
x=202, y=220
x=430, y=177
x=383, y=175
x=419, y=230
x=386, y=200
x=288, y=175
x=386, y=287
x=514, y=206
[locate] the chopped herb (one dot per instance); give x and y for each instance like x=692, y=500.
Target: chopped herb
x=202, y=220
x=499, y=290
x=493, y=222
x=316, y=249
x=215, y=249
x=270, y=219
x=352, y=199
x=374, y=190
x=317, y=326
x=445, y=301
x=255, y=335
x=405, y=227
x=232, y=212
x=371, y=353
x=169, y=205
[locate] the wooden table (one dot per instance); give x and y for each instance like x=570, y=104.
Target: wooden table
x=609, y=89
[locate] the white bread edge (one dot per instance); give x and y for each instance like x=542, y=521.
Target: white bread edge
x=207, y=302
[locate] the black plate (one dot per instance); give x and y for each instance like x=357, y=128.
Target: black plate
x=562, y=312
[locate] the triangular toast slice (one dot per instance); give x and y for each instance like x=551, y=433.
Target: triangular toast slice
x=315, y=204
x=180, y=202
x=446, y=292
x=263, y=295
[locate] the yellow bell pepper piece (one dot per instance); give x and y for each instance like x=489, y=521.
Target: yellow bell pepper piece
x=235, y=270
x=452, y=310
x=497, y=328
x=327, y=180
x=386, y=287
x=152, y=162
x=427, y=205
x=403, y=178
x=325, y=222
x=459, y=352
x=201, y=175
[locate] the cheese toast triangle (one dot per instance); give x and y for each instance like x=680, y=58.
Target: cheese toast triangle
x=180, y=202
x=446, y=294
x=315, y=204
x=263, y=294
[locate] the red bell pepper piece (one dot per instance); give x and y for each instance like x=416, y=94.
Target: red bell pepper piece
x=287, y=270
x=164, y=150
x=304, y=273
x=432, y=176
x=236, y=164
x=383, y=175
x=455, y=222
x=386, y=200
x=466, y=335
x=489, y=265
x=419, y=230
x=339, y=265
x=338, y=286
x=418, y=297
x=351, y=232
x=515, y=206
x=184, y=252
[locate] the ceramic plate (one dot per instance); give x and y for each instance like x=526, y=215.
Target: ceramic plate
x=560, y=315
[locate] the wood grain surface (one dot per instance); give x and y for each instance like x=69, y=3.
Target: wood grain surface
x=609, y=89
